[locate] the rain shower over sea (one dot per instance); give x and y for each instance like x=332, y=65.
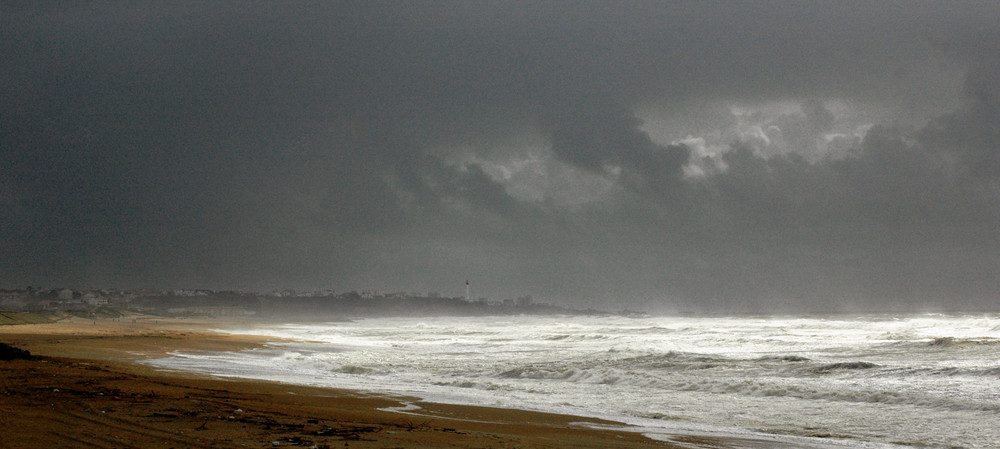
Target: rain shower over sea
x=812, y=381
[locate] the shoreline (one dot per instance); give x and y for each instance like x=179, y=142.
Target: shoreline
x=87, y=376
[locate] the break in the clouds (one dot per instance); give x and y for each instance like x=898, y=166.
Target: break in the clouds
x=674, y=156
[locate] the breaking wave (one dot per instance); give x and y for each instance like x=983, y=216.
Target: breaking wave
x=841, y=366
x=873, y=379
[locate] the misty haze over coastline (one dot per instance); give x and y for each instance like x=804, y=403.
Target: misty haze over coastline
x=328, y=305
x=683, y=156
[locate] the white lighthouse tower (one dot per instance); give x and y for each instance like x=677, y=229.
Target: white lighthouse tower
x=467, y=298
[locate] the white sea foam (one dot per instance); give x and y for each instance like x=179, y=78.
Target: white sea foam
x=863, y=381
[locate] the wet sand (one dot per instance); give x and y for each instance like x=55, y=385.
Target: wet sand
x=85, y=389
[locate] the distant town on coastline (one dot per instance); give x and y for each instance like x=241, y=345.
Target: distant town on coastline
x=319, y=304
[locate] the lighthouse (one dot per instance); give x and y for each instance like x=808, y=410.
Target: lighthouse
x=467, y=298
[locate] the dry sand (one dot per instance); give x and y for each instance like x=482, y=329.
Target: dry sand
x=85, y=390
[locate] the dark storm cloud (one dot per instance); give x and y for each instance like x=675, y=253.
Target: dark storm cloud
x=972, y=134
x=608, y=141
x=413, y=145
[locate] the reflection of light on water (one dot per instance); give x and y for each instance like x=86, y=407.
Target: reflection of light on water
x=405, y=408
x=920, y=379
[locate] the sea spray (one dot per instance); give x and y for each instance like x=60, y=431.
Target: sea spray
x=921, y=380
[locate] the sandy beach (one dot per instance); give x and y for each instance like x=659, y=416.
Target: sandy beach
x=85, y=389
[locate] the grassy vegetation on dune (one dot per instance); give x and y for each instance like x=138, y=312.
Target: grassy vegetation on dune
x=11, y=318
x=8, y=318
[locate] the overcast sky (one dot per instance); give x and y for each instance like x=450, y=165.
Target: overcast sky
x=655, y=155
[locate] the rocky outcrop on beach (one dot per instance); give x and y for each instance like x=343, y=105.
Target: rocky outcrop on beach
x=8, y=352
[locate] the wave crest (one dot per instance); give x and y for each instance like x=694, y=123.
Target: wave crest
x=843, y=366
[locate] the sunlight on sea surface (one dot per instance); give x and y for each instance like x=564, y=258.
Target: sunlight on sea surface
x=814, y=381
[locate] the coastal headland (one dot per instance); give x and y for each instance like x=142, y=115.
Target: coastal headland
x=82, y=387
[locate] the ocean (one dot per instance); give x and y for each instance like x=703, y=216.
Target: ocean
x=863, y=381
